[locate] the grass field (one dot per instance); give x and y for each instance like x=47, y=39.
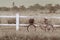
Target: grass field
x=9, y=33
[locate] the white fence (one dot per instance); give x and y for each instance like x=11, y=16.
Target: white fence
x=17, y=20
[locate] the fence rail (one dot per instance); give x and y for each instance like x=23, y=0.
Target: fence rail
x=17, y=20
x=23, y=25
x=30, y=17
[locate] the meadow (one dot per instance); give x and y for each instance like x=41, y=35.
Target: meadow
x=10, y=33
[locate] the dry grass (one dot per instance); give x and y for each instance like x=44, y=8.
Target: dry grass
x=10, y=33
x=32, y=13
x=28, y=37
x=22, y=34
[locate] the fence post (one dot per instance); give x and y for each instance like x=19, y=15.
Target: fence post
x=17, y=22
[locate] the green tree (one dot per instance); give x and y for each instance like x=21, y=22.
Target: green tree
x=57, y=6
x=15, y=8
x=51, y=8
x=36, y=7
x=22, y=7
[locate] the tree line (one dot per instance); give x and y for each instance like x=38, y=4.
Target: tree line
x=35, y=7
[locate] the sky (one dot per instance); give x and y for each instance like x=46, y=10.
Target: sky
x=26, y=3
